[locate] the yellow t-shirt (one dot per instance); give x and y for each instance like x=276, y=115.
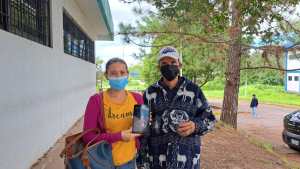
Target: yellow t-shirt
x=118, y=117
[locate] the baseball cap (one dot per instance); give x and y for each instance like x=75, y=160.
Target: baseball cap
x=168, y=51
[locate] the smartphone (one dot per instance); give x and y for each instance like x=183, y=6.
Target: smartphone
x=141, y=117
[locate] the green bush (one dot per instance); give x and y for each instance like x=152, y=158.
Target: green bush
x=217, y=84
x=264, y=93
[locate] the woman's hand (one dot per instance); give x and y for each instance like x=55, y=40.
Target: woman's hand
x=127, y=135
x=186, y=128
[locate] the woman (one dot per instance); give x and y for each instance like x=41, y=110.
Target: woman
x=114, y=115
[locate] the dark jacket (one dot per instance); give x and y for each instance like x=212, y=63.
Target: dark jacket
x=254, y=102
x=162, y=147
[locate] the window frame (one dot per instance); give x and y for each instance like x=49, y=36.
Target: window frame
x=76, y=42
x=30, y=19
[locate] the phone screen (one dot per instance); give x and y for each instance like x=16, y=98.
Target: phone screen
x=141, y=116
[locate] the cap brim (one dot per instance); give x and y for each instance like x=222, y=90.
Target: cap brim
x=166, y=56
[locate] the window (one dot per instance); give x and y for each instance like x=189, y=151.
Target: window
x=290, y=78
x=3, y=14
x=296, y=78
x=295, y=55
x=76, y=42
x=27, y=18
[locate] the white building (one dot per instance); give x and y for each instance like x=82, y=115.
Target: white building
x=292, y=78
x=47, y=71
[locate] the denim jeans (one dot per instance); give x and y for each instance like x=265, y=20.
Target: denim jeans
x=254, y=113
x=130, y=165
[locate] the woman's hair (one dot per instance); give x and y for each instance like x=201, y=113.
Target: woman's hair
x=115, y=60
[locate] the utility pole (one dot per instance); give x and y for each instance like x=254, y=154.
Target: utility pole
x=246, y=84
x=246, y=79
x=123, y=50
x=181, y=59
x=181, y=53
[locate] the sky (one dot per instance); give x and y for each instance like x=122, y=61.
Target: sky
x=121, y=12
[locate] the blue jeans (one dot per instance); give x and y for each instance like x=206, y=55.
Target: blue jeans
x=130, y=165
x=254, y=113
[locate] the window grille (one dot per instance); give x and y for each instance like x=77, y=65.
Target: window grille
x=27, y=18
x=76, y=42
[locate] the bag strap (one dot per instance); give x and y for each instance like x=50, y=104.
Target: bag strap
x=99, y=130
x=136, y=97
x=84, y=158
x=102, y=112
x=76, y=139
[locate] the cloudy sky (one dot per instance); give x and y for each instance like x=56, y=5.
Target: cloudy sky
x=121, y=12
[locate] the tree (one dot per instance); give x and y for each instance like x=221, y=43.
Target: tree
x=193, y=52
x=254, y=76
x=234, y=23
x=99, y=72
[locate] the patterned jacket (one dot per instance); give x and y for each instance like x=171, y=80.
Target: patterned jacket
x=161, y=146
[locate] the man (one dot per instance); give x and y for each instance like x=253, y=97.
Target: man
x=180, y=115
x=253, y=105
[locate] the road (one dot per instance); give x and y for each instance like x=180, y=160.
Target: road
x=267, y=126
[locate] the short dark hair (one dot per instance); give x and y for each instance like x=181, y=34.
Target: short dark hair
x=115, y=60
x=253, y=95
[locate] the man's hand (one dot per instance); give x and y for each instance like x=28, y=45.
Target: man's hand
x=127, y=135
x=186, y=128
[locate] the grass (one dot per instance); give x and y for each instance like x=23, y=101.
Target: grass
x=270, y=149
x=264, y=93
x=262, y=144
x=217, y=113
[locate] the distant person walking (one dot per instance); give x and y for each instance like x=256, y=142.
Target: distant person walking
x=253, y=105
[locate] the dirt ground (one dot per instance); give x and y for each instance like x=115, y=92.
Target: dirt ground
x=269, y=131
x=226, y=148
x=267, y=127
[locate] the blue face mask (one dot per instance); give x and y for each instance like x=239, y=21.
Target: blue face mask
x=118, y=83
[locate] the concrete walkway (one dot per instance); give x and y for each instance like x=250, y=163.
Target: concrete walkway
x=51, y=159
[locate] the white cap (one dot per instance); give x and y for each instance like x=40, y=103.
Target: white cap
x=168, y=51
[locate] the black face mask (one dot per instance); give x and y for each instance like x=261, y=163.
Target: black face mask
x=170, y=72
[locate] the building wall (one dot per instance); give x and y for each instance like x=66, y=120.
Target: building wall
x=293, y=63
x=43, y=92
x=292, y=85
